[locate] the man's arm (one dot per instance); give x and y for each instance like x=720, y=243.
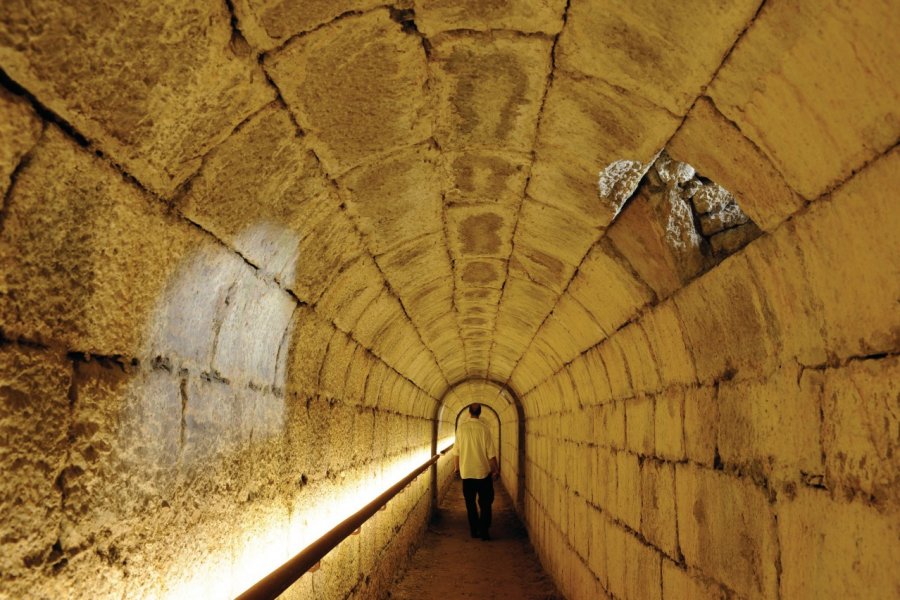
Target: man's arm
x=495, y=468
x=456, y=464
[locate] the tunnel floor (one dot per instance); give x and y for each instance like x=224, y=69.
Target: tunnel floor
x=450, y=564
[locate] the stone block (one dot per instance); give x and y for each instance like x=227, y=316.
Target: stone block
x=669, y=424
x=628, y=489
x=484, y=176
x=127, y=432
x=642, y=364
x=34, y=423
x=154, y=103
x=701, y=423
x=20, y=128
x=855, y=290
x=617, y=370
x=836, y=549
x=678, y=583
x=75, y=236
x=860, y=429
x=356, y=87
x=646, y=235
x=664, y=330
x=771, y=428
x=437, y=16
x=253, y=326
x=639, y=424
x=598, y=553
x=489, y=89
x=397, y=199
x=726, y=529
x=726, y=324
x=658, y=522
x=309, y=337
x=643, y=571
x=716, y=147
x=665, y=55
x=816, y=125
x=587, y=124
x=617, y=559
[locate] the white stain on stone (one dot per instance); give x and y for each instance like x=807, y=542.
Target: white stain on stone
x=619, y=180
x=680, y=230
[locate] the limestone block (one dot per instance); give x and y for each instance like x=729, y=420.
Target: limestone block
x=411, y=267
x=855, y=281
x=598, y=557
x=436, y=16
x=356, y=87
x=669, y=424
x=253, y=327
x=267, y=23
x=309, y=337
x=489, y=89
x=678, y=583
x=658, y=523
x=716, y=148
x=20, y=128
x=642, y=363
x=614, y=425
x=725, y=319
x=779, y=267
x=75, y=236
x=628, y=490
x=665, y=55
x=727, y=530
x=397, y=199
x=836, y=549
x=350, y=293
x=617, y=560
x=665, y=333
x=861, y=429
x=639, y=424
x=155, y=103
x=333, y=374
x=701, y=423
x=644, y=235
x=816, y=125
x=34, y=422
x=772, y=427
x=481, y=230
x=617, y=370
x=261, y=191
x=126, y=436
x=643, y=571
x=325, y=250
x=585, y=125
x=481, y=175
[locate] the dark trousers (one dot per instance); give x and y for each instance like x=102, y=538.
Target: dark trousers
x=484, y=489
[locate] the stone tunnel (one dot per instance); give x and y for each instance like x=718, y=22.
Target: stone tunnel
x=258, y=255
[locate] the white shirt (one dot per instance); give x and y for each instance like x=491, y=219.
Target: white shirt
x=476, y=448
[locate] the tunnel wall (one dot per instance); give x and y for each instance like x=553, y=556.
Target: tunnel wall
x=738, y=438
x=181, y=410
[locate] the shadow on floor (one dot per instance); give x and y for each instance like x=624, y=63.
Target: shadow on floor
x=451, y=565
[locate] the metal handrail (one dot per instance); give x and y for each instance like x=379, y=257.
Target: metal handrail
x=279, y=580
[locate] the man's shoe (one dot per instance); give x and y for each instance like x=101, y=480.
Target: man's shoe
x=485, y=537
x=475, y=534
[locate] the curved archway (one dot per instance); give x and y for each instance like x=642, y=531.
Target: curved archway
x=505, y=403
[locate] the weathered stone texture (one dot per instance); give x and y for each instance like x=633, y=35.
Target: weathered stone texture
x=436, y=16
x=726, y=528
x=34, y=424
x=85, y=254
x=356, y=88
x=861, y=430
x=816, y=127
x=20, y=128
x=155, y=102
x=833, y=549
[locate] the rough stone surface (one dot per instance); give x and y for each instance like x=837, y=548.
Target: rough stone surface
x=155, y=103
x=817, y=129
x=20, y=127
x=436, y=16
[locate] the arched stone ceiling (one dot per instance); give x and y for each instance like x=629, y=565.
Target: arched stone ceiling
x=425, y=174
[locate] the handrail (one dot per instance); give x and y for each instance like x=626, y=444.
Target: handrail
x=275, y=583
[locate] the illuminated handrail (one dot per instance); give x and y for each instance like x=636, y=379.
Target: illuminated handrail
x=279, y=580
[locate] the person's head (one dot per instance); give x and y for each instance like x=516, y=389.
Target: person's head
x=475, y=410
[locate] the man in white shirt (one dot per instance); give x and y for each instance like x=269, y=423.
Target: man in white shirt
x=476, y=463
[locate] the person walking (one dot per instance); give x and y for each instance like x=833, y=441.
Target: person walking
x=476, y=464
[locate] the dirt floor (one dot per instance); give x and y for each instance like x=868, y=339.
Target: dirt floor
x=451, y=565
